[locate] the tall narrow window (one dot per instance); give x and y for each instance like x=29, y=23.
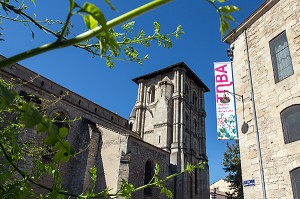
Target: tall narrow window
x=290, y=119
x=196, y=181
x=194, y=99
x=195, y=126
x=187, y=92
x=295, y=179
x=152, y=94
x=149, y=172
x=186, y=121
x=281, y=57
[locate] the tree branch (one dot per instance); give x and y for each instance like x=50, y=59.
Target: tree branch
x=84, y=36
x=24, y=175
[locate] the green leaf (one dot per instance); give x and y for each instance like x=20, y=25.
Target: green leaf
x=52, y=134
x=6, y=96
x=61, y=156
x=43, y=125
x=228, y=9
x=90, y=22
x=167, y=192
x=229, y=17
x=63, y=151
x=95, y=12
x=178, y=31
x=30, y=116
x=110, y=5
x=156, y=27
x=227, y=27
x=63, y=132
x=126, y=189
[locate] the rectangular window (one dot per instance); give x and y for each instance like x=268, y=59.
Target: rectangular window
x=281, y=57
x=295, y=178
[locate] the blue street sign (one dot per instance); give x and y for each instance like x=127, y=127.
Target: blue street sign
x=249, y=183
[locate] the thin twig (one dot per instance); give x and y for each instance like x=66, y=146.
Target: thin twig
x=84, y=36
x=25, y=176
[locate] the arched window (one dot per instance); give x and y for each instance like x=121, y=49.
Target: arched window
x=187, y=92
x=186, y=121
x=295, y=179
x=194, y=99
x=149, y=172
x=290, y=119
x=60, y=120
x=152, y=94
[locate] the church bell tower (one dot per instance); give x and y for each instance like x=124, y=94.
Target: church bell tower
x=169, y=113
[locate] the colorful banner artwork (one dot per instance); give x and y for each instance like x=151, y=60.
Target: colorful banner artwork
x=225, y=101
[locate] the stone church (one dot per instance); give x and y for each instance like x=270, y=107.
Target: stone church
x=166, y=126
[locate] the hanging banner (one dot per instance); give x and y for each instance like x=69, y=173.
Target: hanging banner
x=225, y=101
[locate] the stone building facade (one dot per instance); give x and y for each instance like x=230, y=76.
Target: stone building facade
x=220, y=190
x=169, y=113
x=268, y=42
x=123, y=150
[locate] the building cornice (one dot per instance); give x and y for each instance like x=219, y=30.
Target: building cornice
x=177, y=66
x=235, y=33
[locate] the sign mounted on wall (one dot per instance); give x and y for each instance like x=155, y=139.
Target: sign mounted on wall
x=225, y=101
x=249, y=183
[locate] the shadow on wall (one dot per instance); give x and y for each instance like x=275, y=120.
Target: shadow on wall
x=91, y=145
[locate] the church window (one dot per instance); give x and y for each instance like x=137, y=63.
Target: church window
x=281, y=57
x=196, y=181
x=149, y=172
x=187, y=92
x=30, y=98
x=186, y=121
x=59, y=120
x=195, y=99
x=290, y=119
x=152, y=94
x=195, y=126
x=295, y=179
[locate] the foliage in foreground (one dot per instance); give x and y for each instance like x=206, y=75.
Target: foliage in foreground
x=100, y=39
x=232, y=166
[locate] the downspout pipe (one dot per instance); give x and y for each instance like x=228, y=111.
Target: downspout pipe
x=262, y=178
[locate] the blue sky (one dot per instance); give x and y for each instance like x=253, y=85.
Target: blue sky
x=199, y=47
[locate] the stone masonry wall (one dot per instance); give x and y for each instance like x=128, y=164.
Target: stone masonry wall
x=140, y=153
x=96, y=132
x=271, y=98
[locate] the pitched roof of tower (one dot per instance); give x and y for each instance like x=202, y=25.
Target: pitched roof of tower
x=168, y=69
